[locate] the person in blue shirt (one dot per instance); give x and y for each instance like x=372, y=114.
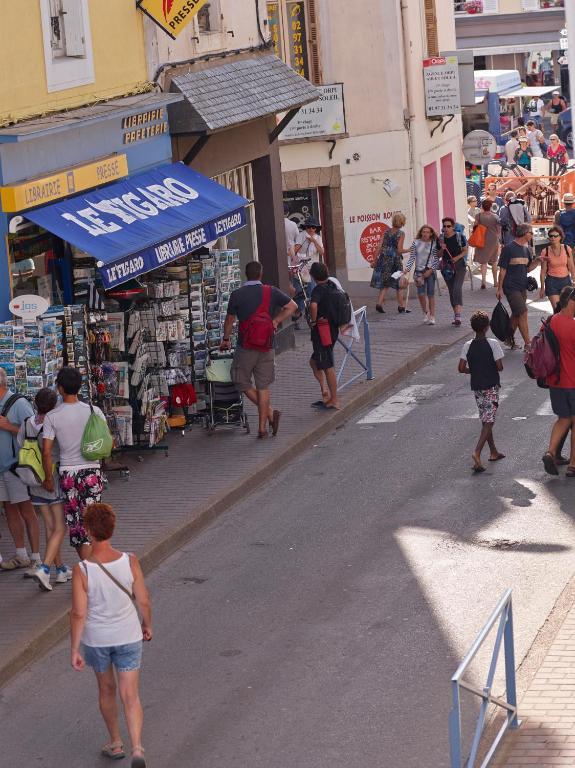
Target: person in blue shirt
x=20, y=513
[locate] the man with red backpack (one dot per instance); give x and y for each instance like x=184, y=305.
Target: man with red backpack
x=260, y=309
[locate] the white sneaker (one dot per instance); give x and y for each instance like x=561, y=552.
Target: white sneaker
x=42, y=578
x=426, y=318
x=63, y=574
x=431, y=320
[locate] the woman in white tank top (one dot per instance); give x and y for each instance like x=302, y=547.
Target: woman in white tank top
x=104, y=620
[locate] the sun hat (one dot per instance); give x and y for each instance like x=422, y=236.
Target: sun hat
x=523, y=138
x=311, y=222
x=568, y=198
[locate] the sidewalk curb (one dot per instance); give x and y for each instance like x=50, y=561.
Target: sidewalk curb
x=169, y=543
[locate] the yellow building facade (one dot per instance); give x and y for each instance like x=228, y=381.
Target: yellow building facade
x=60, y=54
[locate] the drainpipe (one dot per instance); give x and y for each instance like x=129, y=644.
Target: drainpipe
x=570, y=24
x=408, y=109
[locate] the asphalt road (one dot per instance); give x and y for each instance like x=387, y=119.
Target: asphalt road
x=317, y=623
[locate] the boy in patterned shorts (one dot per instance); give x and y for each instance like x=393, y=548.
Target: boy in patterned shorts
x=482, y=359
x=81, y=481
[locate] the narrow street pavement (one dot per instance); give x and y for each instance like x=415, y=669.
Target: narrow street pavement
x=203, y=475
x=317, y=622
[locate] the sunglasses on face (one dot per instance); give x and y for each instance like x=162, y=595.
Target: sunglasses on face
x=555, y=235
x=448, y=226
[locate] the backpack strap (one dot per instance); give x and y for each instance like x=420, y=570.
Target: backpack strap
x=9, y=403
x=266, y=302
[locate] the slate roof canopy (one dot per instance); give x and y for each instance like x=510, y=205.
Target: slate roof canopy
x=237, y=92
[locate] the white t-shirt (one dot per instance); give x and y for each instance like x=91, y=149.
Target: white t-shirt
x=292, y=234
x=66, y=424
x=534, y=139
x=308, y=250
x=535, y=107
x=510, y=147
x=498, y=353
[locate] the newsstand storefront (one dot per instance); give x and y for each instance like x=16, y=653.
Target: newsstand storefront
x=136, y=289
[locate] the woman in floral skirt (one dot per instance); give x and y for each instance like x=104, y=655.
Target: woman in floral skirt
x=390, y=260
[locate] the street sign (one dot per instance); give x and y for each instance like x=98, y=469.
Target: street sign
x=563, y=43
x=479, y=147
x=441, y=83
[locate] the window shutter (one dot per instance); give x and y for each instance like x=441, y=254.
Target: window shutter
x=73, y=28
x=314, y=53
x=431, y=28
x=530, y=5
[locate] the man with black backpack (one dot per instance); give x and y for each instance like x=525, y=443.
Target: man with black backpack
x=260, y=309
x=20, y=513
x=330, y=309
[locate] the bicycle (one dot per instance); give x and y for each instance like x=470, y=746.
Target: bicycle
x=301, y=296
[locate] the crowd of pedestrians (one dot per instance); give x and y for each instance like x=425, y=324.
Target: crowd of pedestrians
x=529, y=141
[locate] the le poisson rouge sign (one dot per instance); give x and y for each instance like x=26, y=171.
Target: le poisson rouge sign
x=172, y=16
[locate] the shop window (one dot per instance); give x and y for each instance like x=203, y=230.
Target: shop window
x=209, y=18
x=67, y=43
x=35, y=263
x=294, y=32
x=240, y=181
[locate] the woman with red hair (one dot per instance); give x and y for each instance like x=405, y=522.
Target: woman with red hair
x=106, y=631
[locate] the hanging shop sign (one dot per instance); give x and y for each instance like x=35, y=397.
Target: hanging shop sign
x=145, y=125
x=441, y=83
x=173, y=16
x=29, y=194
x=325, y=117
x=28, y=307
x=147, y=221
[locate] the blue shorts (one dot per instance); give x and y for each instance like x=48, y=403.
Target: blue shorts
x=428, y=286
x=554, y=285
x=126, y=658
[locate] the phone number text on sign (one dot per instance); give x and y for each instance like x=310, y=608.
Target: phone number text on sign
x=370, y=239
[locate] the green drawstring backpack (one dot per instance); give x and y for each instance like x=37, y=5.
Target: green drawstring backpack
x=97, y=440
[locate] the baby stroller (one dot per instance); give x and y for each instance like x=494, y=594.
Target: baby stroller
x=225, y=406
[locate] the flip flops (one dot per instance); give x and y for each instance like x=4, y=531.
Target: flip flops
x=114, y=751
x=497, y=458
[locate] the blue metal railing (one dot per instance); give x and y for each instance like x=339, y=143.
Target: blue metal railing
x=504, y=613
x=348, y=345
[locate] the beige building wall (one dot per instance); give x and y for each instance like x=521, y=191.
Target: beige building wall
x=380, y=63
x=234, y=25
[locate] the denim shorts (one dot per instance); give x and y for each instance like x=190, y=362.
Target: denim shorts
x=428, y=286
x=554, y=285
x=126, y=658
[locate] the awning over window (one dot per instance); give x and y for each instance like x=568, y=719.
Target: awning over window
x=237, y=92
x=145, y=222
x=529, y=91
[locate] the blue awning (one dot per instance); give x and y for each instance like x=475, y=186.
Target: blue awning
x=144, y=222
